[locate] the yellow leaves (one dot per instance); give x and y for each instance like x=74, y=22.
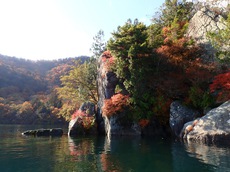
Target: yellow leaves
x=26, y=108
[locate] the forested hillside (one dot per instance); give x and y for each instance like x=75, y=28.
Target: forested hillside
x=27, y=93
x=154, y=66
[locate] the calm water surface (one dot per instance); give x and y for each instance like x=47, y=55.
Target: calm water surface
x=88, y=154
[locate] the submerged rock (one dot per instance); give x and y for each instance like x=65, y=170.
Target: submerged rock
x=179, y=115
x=214, y=127
x=44, y=132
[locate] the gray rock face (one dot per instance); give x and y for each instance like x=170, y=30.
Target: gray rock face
x=179, y=115
x=214, y=127
x=204, y=21
x=76, y=126
x=187, y=128
x=107, y=82
x=113, y=127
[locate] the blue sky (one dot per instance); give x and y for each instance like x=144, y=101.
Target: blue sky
x=53, y=29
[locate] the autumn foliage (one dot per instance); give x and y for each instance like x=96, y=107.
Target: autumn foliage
x=115, y=104
x=108, y=62
x=143, y=123
x=84, y=119
x=181, y=64
x=221, y=85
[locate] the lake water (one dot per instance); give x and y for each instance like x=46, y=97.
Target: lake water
x=88, y=154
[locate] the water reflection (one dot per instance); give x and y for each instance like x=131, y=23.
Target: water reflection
x=186, y=161
x=18, y=153
x=212, y=155
x=121, y=154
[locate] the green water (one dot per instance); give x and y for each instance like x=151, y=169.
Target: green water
x=47, y=154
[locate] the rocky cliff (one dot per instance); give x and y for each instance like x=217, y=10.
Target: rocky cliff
x=202, y=22
x=107, y=81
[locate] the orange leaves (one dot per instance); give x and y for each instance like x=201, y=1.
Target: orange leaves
x=221, y=83
x=115, y=104
x=165, y=31
x=183, y=58
x=172, y=54
x=182, y=66
x=175, y=47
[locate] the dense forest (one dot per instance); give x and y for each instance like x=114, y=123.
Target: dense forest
x=27, y=89
x=154, y=64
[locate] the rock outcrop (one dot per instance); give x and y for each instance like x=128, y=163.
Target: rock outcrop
x=44, y=132
x=179, y=115
x=214, y=127
x=205, y=21
x=187, y=128
x=84, y=121
x=107, y=82
x=114, y=126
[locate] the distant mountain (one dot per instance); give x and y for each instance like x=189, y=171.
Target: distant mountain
x=27, y=88
x=41, y=66
x=26, y=77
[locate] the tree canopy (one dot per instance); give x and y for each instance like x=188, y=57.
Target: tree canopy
x=79, y=85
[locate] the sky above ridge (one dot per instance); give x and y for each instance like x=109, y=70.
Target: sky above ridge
x=54, y=29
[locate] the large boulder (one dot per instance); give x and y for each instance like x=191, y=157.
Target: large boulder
x=214, y=127
x=179, y=115
x=84, y=121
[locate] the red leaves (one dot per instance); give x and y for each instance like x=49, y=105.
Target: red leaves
x=78, y=113
x=221, y=84
x=221, y=81
x=115, y=104
x=106, y=54
x=181, y=64
x=86, y=121
x=108, y=61
x=143, y=123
